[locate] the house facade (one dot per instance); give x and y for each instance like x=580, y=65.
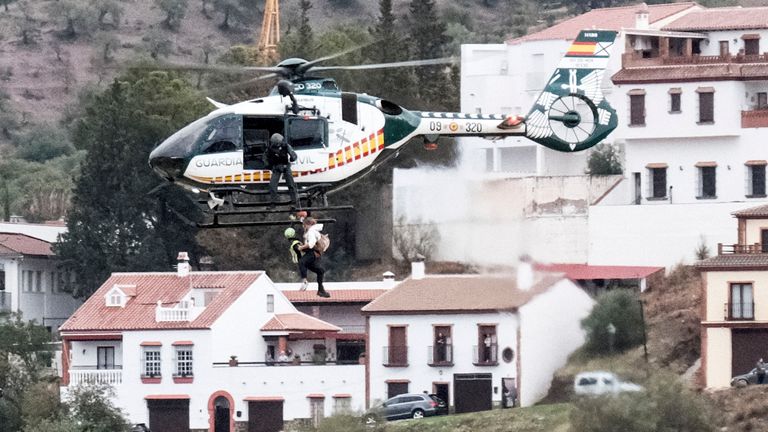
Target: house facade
x=473, y=339
x=32, y=282
x=207, y=351
x=734, y=326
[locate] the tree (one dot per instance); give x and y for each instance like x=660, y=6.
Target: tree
x=27, y=28
x=231, y=11
x=415, y=240
x=615, y=323
x=43, y=142
x=5, y=3
x=107, y=44
x=78, y=18
x=157, y=44
x=428, y=40
x=604, y=159
x=114, y=224
x=305, y=29
x=108, y=8
x=174, y=11
x=91, y=406
x=393, y=84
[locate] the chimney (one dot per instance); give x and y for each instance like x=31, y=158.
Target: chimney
x=182, y=269
x=641, y=17
x=417, y=268
x=388, y=279
x=525, y=273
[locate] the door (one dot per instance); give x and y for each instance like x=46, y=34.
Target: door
x=105, y=357
x=256, y=134
x=724, y=48
x=747, y=347
x=442, y=390
x=509, y=395
x=472, y=392
x=221, y=415
x=764, y=240
x=397, y=346
x=638, y=193
x=265, y=416
x=169, y=415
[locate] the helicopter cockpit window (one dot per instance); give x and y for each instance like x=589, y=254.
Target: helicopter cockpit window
x=306, y=133
x=224, y=134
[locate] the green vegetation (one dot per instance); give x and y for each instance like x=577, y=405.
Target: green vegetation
x=615, y=324
x=604, y=159
x=550, y=418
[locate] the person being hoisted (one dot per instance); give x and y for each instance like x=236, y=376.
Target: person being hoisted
x=279, y=158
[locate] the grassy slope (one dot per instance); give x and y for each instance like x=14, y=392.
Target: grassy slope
x=550, y=418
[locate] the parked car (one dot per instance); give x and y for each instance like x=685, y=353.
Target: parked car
x=407, y=405
x=598, y=383
x=442, y=406
x=139, y=427
x=746, y=379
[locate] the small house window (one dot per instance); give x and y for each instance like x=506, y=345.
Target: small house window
x=270, y=302
x=184, y=366
x=707, y=181
x=706, y=106
x=674, y=100
x=637, y=109
x=151, y=361
x=756, y=180
x=762, y=100
x=115, y=298
x=658, y=182
x=752, y=46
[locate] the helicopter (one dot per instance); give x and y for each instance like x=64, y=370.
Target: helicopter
x=340, y=136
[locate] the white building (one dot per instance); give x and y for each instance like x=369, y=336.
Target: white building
x=688, y=84
x=194, y=351
x=31, y=281
x=471, y=338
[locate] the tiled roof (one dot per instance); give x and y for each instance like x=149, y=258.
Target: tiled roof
x=458, y=293
x=337, y=296
x=702, y=72
x=616, y=18
x=753, y=212
x=726, y=18
x=585, y=271
x=735, y=262
x=169, y=289
x=298, y=322
x=15, y=244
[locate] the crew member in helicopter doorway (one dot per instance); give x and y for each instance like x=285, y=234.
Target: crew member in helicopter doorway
x=279, y=158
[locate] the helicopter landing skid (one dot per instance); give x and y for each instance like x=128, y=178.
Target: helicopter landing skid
x=217, y=224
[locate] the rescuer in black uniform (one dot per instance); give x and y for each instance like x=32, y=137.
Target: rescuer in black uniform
x=279, y=158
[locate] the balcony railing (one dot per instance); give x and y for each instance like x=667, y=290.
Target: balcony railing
x=96, y=376
x=395, y=356
x=632, y=59
x=440, y=355
x=754, y=119
x=485, y=355
x=180, y=312
x=727, y=249
x=739, y=311
x=5, y=301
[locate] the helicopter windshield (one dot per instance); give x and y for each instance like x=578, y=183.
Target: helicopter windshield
x=224, y=134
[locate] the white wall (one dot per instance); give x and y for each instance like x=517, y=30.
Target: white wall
x=49, y=233
x=46, y=307
x=550, y=332
x=419, y=336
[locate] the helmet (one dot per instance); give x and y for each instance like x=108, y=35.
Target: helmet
x=276, y=138
x=289, y=233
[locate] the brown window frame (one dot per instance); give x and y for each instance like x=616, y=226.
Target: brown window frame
x=751, y=46
x=397, y=355
x=707, y=182
x=706, y=107
x=657, y=180
x=730, y=305
x=637, y=109
x=756, y=177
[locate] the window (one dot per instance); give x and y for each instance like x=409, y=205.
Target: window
x=224, y=134
x=724, y=50
x=742, y=304
x=674, y=100
x=105, y=357
x=756, y=180
x=397, y=354
x=751, y=46
x=658, y=182
x=707, y=181
x=637, y=109
x=442, y=349
x=151, y=361
x=184, y=360
x=38, y=281
x=488, y=348
x=316, y=410
x=306, y=133
x=270, y=302
x=2, y=280
x=762, y=100
x=395, y=388
x=115, y=298
x=706, y=105
x=342, y=404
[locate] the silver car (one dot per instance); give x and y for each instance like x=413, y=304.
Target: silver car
x=408, y=405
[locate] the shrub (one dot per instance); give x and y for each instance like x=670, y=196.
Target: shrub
x=620, y=308
x=605, y=159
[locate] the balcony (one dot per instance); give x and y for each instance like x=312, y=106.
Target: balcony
x=730, y=249
x=440, y=355
x=633, y=60
x=5, y=301
x=739, y=311
x=395, y=356
x=754, y=119
x=91, y=375
x=485, y=355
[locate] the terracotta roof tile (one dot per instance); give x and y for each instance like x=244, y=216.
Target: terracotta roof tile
x=726, y=18
x=585, y=271
x=13, y=243
x=458, y=293
x=753, y=212
x=337, y=296
x=169, y=289
x=704, y=72
x=298, y=322
x=616, y=18
x=734, y=262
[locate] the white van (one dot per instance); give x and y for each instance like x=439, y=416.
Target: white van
x=600, y=383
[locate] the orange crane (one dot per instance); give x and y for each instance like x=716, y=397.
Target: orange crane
x=270, y=30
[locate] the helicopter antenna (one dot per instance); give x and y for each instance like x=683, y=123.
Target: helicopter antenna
x=270, y=30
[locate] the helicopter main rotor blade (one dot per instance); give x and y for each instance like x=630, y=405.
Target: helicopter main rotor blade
x=311, y=64
x=243, y=84
x=408, y=63
x=209, y=68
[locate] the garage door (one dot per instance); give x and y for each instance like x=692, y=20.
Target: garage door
x=265, y=416
x=169, y=415
x=472, y=392
x=747, y=346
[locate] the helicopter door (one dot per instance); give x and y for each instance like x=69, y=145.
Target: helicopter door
x=309, y=138
x=256, y=133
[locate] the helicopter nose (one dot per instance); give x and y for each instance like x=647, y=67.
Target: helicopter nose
x=166, y=165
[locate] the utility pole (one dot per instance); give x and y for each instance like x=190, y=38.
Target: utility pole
x=270, y=30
